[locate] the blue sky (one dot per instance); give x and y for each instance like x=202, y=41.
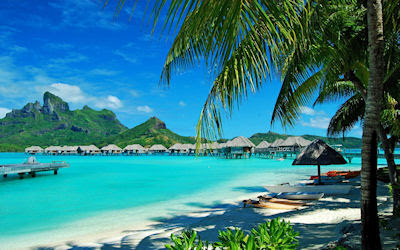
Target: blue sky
x=76, y=50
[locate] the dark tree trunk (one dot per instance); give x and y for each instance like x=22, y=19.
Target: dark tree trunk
x=369, y=211
x=388, y=148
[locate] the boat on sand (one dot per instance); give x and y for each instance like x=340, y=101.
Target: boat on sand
x=269, y=204
x=296, y=195
x=326, y=189
x=263, y=198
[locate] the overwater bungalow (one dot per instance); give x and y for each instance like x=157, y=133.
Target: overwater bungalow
x=69, y=150
x=262, y=149
x=111, y=149
x=189, y=149
x=177, y=148
x=157, y=149
x=88, y=150
x=53, y=150
x=134, y=149
x=240, y=147
x=294, y=144
x=275, y=145
x=34, y=150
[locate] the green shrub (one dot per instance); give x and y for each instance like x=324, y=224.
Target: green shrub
x=187, y=240
x=273, y=234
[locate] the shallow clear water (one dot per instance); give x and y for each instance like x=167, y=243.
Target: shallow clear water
x=101, y=193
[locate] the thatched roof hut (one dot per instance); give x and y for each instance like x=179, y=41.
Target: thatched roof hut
x=276, y=143
x=91, y=149
x=53, y=149
x=111, y=149
x=319, y=153
x=33, y=150
x=176, y=147
x=240, y=142
x=134, y=148
x=158, y=148
x=262, y=147
x=69, y=149
x=295, y=141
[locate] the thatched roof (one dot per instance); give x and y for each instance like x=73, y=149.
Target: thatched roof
x=240, y=141
x=295, y=141
x=69, y=148
x=263, y=144
x=53, y=148
x=91, y=148
x=319, y=153
x=189, y=146
x=34, y=148
x=177, y=146
x=276, y=143
x=158, y=147
x=134, y=147
x=111, y=147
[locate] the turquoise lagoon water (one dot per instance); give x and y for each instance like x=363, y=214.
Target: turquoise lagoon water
x=102, y=193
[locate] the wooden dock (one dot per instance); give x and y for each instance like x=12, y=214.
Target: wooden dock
x=32, y=168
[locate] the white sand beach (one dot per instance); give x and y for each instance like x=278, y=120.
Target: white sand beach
x=327, y=221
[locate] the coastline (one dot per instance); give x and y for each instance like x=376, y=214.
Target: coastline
x=328, y=218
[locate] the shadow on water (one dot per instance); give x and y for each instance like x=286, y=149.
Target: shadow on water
x=15, y=177
x=312, y=235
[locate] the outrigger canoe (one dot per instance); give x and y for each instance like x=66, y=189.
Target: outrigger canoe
x=336, y=173
x=294, y=196
x=326, y=189
x=263, y=198
x=269, y=204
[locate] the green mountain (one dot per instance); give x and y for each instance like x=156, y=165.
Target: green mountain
x=55, y=124
x=347, y=142
x=153, y=131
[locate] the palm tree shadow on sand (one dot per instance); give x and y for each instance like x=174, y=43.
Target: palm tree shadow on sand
x=313, y=235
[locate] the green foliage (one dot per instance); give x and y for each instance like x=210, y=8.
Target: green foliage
x=273, y=234
x=186, y=241
x=232, y=239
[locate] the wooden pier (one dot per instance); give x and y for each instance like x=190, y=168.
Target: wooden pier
x=31, y=168
x=350, y=156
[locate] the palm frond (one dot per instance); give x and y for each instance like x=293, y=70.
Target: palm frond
x=347, y=116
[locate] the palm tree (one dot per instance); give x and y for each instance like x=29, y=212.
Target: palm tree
x=242, y=41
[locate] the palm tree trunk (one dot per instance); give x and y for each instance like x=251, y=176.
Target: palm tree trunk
x=369, y=211
x=388, y=148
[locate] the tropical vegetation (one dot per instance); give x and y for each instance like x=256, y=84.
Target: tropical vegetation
x=241, y=42
x=273, y=234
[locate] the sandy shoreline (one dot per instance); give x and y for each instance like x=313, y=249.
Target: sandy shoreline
x=325, y=221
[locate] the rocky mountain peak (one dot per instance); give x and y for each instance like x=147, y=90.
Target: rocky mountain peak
x=157, y=123
x=53, y=103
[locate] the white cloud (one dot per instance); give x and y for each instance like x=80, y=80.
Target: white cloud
x=69, y=93
x=306, y=110
x=317, y=122
x=145, y=109
x=74, y=94
x=113, y=102
x=309, y=111
x=4, y=111
x=103, y=72
x=182, y=104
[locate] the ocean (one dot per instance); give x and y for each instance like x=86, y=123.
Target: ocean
x=100, y=194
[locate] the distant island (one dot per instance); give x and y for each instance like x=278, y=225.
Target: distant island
x=55, y=124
